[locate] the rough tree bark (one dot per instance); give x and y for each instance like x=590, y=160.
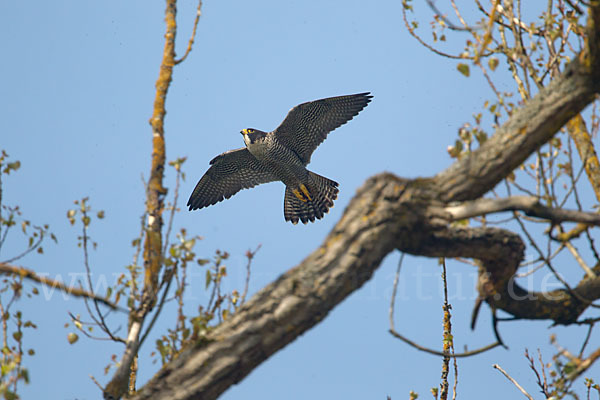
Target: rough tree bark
x=391, y=213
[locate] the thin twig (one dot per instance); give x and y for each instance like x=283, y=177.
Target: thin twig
x=394, y=290
x=3, y=315
x=541, y=384
x=193, y=35
x=545, y=383
x=394, y=333
x=52, y=283
x=551, y=267
x=102, y=323
x=588, y=271
x=428, y=46
x=2, y=236
x=496, y=366
x=447, y=343
x=29, y=249
x=487, y=37
x=173, y=209
x=449, y=23
x=111, y=338
x=541, y=265
x=160, y=305
x=406, y=340
x=587, y=339
x=250, y=255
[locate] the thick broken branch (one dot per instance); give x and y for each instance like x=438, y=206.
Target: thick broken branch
x=387, y=213
x=285, y=309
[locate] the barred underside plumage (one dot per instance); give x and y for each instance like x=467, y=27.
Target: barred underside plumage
x=323, y=193
x=229, y=173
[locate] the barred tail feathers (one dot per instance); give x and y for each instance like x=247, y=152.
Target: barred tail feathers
x=311, y=201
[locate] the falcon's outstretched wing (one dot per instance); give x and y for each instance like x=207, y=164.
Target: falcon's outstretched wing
x=229, y=173
x=308, y=124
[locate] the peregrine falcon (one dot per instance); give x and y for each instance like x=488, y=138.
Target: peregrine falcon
x=282, y=155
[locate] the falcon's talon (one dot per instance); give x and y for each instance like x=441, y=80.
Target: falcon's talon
x=282, y=155
x=306, y=192
x=299, y=195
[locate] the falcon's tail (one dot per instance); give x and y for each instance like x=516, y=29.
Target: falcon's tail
x=307, y=202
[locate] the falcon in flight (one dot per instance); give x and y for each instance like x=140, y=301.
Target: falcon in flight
x=282, y=155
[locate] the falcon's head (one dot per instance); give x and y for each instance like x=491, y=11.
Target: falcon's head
x=253, y=136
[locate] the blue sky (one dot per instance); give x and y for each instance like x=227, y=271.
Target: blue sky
x=77, y=96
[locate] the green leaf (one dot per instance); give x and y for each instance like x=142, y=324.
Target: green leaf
x=10, y=395
x=189, y=244
x=202, y=261
x=6, y=368
x=463, y=69
x=72, y=338
x=25, y=375
x=208, y=278
x=13, y=166
x=493, y=63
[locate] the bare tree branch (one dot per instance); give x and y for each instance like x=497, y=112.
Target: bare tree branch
x=193, y=35
x=587, y=153
x=406, y=340
x=530, y=205
x=510, y=378
x=23, y=272
x=155, y=193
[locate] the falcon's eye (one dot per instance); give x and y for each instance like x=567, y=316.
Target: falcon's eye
x=250, y=130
